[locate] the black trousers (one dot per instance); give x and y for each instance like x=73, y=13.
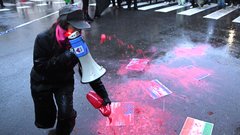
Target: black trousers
x=85, y=5
x=119, y=2
x=1, y=3
x=129, y=3
x=45, y=107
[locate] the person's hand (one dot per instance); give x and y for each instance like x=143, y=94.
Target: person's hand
x=67, y=57
x=69, y=54
x=106, y=101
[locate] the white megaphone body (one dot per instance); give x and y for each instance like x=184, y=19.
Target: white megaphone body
x=90, y=69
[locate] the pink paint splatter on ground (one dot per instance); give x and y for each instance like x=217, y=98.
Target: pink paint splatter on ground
x=185, y=76
x=131, y=48
x=190, y=52
x=122, y=44
x=122, y=114
x=103, y=38
x=129, y=91
x=188, y=77
x=122, y=70
x=148, y=121
x=140, y=52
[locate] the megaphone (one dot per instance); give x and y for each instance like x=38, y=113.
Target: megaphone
x=90, y=69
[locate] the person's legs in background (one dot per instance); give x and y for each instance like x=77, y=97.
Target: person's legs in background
x=1, y=3
x=97, y=14
x=119, y=2
x=135, y=4
x=85, y=10
x=193, y=3
x=113, y=3
x=129, y=3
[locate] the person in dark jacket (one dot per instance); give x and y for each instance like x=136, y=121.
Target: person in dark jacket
x=52, y=75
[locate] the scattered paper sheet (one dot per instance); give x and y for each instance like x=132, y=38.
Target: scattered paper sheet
x=156, y=89
x=122, y=114
x=137, y=64
x=196, y=127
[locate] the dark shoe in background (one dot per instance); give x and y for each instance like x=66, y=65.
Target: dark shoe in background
x=120, y=7
x=97, y=16
x=88, y=18
x=135, y=8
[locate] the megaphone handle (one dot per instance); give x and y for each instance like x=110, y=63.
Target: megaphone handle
x=99, y=88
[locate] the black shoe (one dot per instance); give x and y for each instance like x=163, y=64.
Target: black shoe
x=135, y=8
x=97, y=16
x=2, y=6
x=120, y=7
x=88, y=18
x=194, y=5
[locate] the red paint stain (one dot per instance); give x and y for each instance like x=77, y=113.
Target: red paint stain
x=103, y=38
x=129, y=91
x=122, y=44
x=185, y=76
x=149, y=120
x=122, y=70
x=140, y=52
x=210, y=113
x=190, y=52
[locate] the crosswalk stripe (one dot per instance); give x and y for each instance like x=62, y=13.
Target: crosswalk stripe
x=123, y=3
x=92, y=4
x=152, y=6
x=220, y=13
x=28, y=2
x=237, y=20
x=23, y=7
x=193, y=11
x=111, y=5
x=138, y=4
x=171, y=8
x=40, y=5
x=5, y=9
x=59, y=2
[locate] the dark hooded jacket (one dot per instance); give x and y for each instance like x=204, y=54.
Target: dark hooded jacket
x=52, y=63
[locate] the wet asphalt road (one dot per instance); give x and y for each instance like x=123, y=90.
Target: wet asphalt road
x=180, y=48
